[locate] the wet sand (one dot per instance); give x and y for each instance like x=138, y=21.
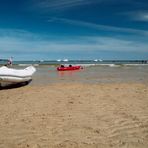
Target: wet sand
x=75, y=115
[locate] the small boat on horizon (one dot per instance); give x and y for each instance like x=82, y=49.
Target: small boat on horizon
x=96, y=60
x=65, y=60
x=59, y=60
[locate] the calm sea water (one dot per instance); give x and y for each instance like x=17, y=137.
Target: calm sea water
x=93, y=72
x=42, y=62
x=54, y=62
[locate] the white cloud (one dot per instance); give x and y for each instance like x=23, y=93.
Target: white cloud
x=18, y=33
x=62, y=4
x=139, y=15
x=142, y=16
x=76, y=43
x=19, y=45
x=100, y=27
x=65, y=4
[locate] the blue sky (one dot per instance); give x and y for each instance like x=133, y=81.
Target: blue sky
x=73, y=29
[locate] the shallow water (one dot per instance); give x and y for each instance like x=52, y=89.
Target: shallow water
x=92, y=74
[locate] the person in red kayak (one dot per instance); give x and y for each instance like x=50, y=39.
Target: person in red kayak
x=62, y=66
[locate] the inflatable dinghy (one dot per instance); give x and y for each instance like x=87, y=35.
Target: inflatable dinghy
x=67, y=68
x=10, y=76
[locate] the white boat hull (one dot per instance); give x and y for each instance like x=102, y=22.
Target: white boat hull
x=10, y=76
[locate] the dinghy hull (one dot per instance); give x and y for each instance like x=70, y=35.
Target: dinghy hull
x=9, y=76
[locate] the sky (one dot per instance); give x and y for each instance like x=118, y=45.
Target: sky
x=74, y=29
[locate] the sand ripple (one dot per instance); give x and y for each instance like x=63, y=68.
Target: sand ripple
x=75, y=115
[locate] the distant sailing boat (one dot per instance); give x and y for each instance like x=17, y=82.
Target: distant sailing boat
x=65, y=60
x=95, y=60
x=59, y=60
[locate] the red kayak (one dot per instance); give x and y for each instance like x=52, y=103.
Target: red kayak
x=66, y=68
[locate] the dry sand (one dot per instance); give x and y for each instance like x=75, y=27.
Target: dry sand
x=75, y=115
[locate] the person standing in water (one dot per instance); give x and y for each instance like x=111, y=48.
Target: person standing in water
x=9, y=62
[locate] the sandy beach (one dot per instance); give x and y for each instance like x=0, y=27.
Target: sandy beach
x=75, y=115
x=73, y=73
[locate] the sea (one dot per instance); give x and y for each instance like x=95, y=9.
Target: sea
x=82, y=62
x=93, y=72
